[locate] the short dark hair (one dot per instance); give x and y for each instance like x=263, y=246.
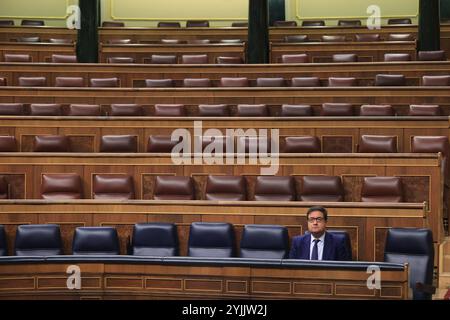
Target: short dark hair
x=320, y=209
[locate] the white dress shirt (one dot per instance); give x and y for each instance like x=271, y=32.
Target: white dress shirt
x=320, y=246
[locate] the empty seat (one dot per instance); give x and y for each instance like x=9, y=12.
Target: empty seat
x=197, y=83
x=273, y=188
x=400, y=37
x=438, y=55
x=285, y=23
x=399, y=21
x=369, y=110
x=113, y=24
x=436, y=81
x=321, y=188
x=38, y=240
x=11, y=109
x=169, y=110
x=3, y=82
x=197, y=24
x=154, y=239
x=252, y=110
x=301, y=144
x=336, y=109
x=126, y=110
x=313, y=23
x=161, y=144
x=11, y=57
x=119, y=41
x=4, y=23
x=370, y=37
x=253, y=144
x=349, y=23
x=4, y=194
x=104, y=83
x=215, y=240
x=29, y=39
x=95, y=241
x=172, y=41
x=64, y=58
x=295, y=58
x=32, y=81
x=113, y=186
x=342, y=82
x=382, y=189
x=270, y=82
x=391, y=57
x=194, y=58
x=296, y=38
x=424, y=110
x=118, y=144
x=69, y=82
x=229, y=60
x=377, y=144
x=344, y=57
x=414, y=247
x=264, y=242
x=296, y=110
x=60, y=41
x=159, y=83
x=174, y=188
x=163, y=59
x=51, y=143
x=8, y=144
x=198, y=41
x=27, y=22
x=234, y=82
x=305, y=82
x=45, y=109
x=3, y=244
x=93, y=110
x=231, y=41
x=168, y=24
x=333, y=38
x=120, y=60
x=217, y=110
x=239, y=24
x=229, y=188
x=431, y=144
x=61, y=186
x=390, y=80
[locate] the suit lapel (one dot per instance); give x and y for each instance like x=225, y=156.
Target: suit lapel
x=306, y=247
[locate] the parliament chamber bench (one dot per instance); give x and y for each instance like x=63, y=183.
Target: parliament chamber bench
x=421, y=176
x=40, y=52
x=135, y=75
x=365, y=223
x=130, y=277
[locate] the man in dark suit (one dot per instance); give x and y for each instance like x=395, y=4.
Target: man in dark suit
x=319, y=244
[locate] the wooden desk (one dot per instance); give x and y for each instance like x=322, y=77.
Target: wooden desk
x=12, y=33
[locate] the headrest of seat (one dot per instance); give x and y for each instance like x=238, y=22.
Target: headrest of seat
x=282, y=23
x=436, y=80
x=399, y=21
x=268, y=237
x=161, y=144
x=119, y=41
x=226, y=188
x=163, y=59
x=168, y=24
x=345, y=57
x=93, y=110
x=296, y=38
x=55, y=143
x=342, y=82
x=321, y=188
x=401, y=37
x=159, y=83
x=438, y=55
x=105, y=83
x=197, y=23
x=349, y=23
x=213, y=110
x=305, y=82
x=169, y=110
x=333, y=38
x=229, y=60
x=64, y=58
x=194, y=58
x=424, y=110
x=274, y=188
x=11, y=57
x=95, y=240
x=61, y=186
x=295, y=58
x=296, y=110
x=252, y=110
x=8, y=144
x=383, y=80
x=376, y=110
x=120, y=60
x=382, y=189
x=29, y=39
x=270, y=82
x=367, y=37
x=27, y=22
x=377, y=144
x=155, y=235
x=390, y=57
x=126, y=110
x=337, y=109
x=69, y=82
x=3, y=82
x=32, y=81
x=234, y=82
x=204, y=235
x=118, y=144
x=113, y=186
x=313, y=23
x=42, y=109
x=113, y=24
x=409, y=241
x=174, y=188
x=194, y=83
x=302, y=144
x=430, y=144
x=38, y=240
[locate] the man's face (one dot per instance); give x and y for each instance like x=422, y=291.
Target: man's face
x=316, y=223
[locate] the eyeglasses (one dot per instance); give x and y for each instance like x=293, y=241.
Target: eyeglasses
x=318, y=219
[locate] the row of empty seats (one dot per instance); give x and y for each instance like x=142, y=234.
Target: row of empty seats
x=222, y=144
x=24, y=22
x=216, y=110
x=380, y=80
x=218, y=188
x=369, y=37
x=160, y=239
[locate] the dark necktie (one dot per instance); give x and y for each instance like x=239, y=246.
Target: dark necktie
x=315, y=251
